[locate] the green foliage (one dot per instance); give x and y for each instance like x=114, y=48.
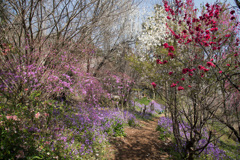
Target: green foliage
x=163, y=133
x=118, y=129
x=144, y=101
x=231, y=148
x=132, y=123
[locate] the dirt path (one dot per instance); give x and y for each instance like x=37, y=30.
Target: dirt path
x=141, y=143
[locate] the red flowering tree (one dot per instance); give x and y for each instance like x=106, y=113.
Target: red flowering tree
x=202, y=72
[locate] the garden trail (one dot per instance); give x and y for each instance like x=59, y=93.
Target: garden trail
x=140, y=143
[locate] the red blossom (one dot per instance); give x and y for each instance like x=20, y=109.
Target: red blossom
x=171, y=48
x=235, y=55
x=209, y=64
x=159, y=62
x=173, y=84
x=164, y=62
x=232, y=12
x=228, y=35
x=205, y=69
x=180, y=88
x=185, y=36
x=170, y=73
x=183, y=79
x=168, y=17
x=211, y=60
x=207, y=37
x=185, y=70
x=200, y=67
x=213, y=29
x=177, y=36
x=171, y=55
x=165, y=45
x=189, y=86
x=188, y=41
x=232, y=18
x=153, y=84
x=228, y=65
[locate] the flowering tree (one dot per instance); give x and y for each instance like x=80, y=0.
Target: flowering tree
x=201, y=70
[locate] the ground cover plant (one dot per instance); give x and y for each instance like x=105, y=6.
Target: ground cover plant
x=211, y=151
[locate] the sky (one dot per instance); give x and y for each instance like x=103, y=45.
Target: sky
x=198, y=2
x=150, y=3
x=146, y=7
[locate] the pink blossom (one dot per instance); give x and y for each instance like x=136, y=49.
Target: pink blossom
x=220, y=72
x=228, y=65
x=14, y=117
x=37, y=115
x=189, y=86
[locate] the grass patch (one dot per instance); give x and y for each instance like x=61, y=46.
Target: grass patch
x=144, y=101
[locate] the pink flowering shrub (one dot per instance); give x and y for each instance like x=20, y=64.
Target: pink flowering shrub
x=50, y=105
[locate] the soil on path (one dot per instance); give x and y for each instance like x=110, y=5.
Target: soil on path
x=140, y=143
